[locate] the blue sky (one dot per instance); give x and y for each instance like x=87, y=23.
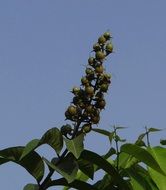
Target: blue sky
x=44, y=47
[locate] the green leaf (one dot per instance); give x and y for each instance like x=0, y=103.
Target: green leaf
x=119, y=127
x=81, y=176
x=101, y=131
x=105, y=183
x=163, y=141
x=32, y=145
x=75, y=145
x=141, y=136
x=86, y=167
x=33, y=163
x=76, y=184
x=31, y=187
x=68, y=167
x=140, y=180
x=106, y=166
x=109, y=153
x=154, y=130
x=159, y=154
x=118, y=139
x=142, y=155
x=52, y=137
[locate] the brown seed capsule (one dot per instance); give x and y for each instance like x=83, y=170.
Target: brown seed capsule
x=107, y=76
x=104, y=87
x=75, y=90
x=99, y=69
x=91, y=61
x=72, y=110
x=109, y=48
x=66, y=129
x=100, y=55
x=89, y=71
x=102, y=40
x=86, y=128
x=96, y=47
x=84, y=81
x=107, y=35
x=89, y=109
x=100, y=104
x=95, y=119
x=89, y=90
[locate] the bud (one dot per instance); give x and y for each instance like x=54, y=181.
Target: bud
x=100, y=55
x=102, y=40
x=86, y=128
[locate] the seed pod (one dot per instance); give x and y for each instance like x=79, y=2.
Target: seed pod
x=89, y=90
x=95, y=119
x=72, y=110
x=84, y=81
x=99, y=69
x=100, y=103
x=104, y=87
x=66, y=129
x=109, y=48
x=86, y=128
x=91, y=61
x=89, y=109
x=100, y=55
x=102, y=40
x=89, y=71
x=107, y=76
x=96, y=47
x=75, y=90
x=107, y=35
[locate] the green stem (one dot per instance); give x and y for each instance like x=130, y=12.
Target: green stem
x=147, y=136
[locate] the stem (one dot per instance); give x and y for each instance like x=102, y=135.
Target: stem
x=147, y=136
x=117, y=149
x=44, y=183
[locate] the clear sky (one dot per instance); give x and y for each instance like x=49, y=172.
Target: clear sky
x=44, y=47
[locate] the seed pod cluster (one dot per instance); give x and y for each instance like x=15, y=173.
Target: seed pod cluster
x=88, y=100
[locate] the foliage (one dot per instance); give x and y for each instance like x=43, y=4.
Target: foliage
x=127, y=166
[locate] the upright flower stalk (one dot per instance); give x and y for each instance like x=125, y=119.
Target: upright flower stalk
x=88, y=100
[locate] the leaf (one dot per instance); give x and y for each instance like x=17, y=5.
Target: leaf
x=76, y=184
x=139, y=180
x=163, y=141
x=109, y=153
x=159, y=179
x=86, y=167
x=141, y=136
x=75, y=145
x=142, y=155
x=105, y=183
x=101, y=131
x=111, y=136
x=119, y=127
x=32, y=145
x=154, y=130
x=32, y=162
x=68, y=167
x=81, y=176
x=31, y=187
x=118, y=139
x=106, y=166
x=52, y=137
x=159, y=154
